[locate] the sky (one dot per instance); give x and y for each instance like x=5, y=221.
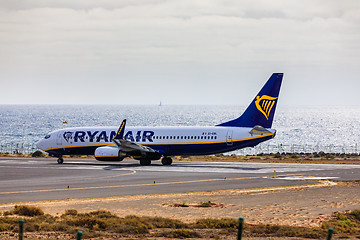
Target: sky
x=179, y=52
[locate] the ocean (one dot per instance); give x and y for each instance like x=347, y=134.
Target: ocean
x=299, y=129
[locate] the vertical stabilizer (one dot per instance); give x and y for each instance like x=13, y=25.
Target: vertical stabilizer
x=262, y=108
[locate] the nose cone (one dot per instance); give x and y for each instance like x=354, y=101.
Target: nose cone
x=40, y=144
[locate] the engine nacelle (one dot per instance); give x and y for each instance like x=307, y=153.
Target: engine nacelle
x=109, y=153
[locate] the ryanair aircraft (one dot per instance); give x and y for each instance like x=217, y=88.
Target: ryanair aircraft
x=152, y=143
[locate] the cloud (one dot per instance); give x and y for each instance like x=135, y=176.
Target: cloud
x=153, y=43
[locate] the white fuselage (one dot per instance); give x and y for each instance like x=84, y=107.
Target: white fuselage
x=166, y=140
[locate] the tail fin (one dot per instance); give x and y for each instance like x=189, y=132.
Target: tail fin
x=262, y=108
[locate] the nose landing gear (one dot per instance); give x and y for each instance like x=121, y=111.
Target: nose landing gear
x=60, y=160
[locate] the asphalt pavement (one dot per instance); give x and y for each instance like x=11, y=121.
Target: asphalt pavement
x=36, y=179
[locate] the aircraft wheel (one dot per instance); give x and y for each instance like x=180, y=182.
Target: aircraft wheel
x=166, y=161
x=145, y=162
x=60, y=161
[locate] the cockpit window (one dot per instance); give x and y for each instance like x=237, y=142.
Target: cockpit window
x=47, y=136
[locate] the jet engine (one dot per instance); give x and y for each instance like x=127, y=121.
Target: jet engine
x=109, y=153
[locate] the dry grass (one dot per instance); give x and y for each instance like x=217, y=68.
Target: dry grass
x=347, y=223
x=98, y=223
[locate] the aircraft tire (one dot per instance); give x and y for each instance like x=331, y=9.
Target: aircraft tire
x=166, y=161
x=145, y=162
x=60, y=161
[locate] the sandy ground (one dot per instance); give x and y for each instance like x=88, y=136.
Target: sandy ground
x=295, y=206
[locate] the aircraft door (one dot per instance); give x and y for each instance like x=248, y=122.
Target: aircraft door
x=59, y=138
x=229, y=141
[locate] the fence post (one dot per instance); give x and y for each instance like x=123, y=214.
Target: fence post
x=78, y=235
x=240, y=228
x=356, y=148
x=330, y=232
x=21, y=229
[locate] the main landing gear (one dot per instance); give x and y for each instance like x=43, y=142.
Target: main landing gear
x=145, y=162
x=166, y=161
x=60, y=160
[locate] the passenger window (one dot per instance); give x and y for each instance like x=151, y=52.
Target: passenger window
x=182, y=137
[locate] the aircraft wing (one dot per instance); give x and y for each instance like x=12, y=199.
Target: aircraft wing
x=127, y=146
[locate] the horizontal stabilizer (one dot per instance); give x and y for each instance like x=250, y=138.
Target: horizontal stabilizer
x=259, y=131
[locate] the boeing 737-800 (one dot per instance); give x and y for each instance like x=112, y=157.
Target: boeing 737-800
x=152, y=143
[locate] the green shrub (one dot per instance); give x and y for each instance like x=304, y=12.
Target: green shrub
x=160, y=222
x=206, y=204
x=216, y=223
x=38, y=154
x=180, y=233
x=356, y=213
x=7, y=213
x=136, y=224
x=285, y=231
x=348, y=223
x=102, y=214
x=25, y=210
x=72, y=212
x=181, y=204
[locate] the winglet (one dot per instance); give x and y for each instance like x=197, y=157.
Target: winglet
x=120, y=132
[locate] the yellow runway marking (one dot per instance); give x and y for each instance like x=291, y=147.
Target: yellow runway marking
x=130, y=185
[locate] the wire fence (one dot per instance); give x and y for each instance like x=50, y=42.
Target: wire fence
x=298, y=148
x=16, y=148
x=27, y=148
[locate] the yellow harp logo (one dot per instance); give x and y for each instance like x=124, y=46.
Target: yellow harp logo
x=264, y=104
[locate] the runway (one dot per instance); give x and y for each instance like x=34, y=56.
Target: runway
x=35, y=179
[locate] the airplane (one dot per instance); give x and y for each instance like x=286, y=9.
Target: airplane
x=153, y=143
